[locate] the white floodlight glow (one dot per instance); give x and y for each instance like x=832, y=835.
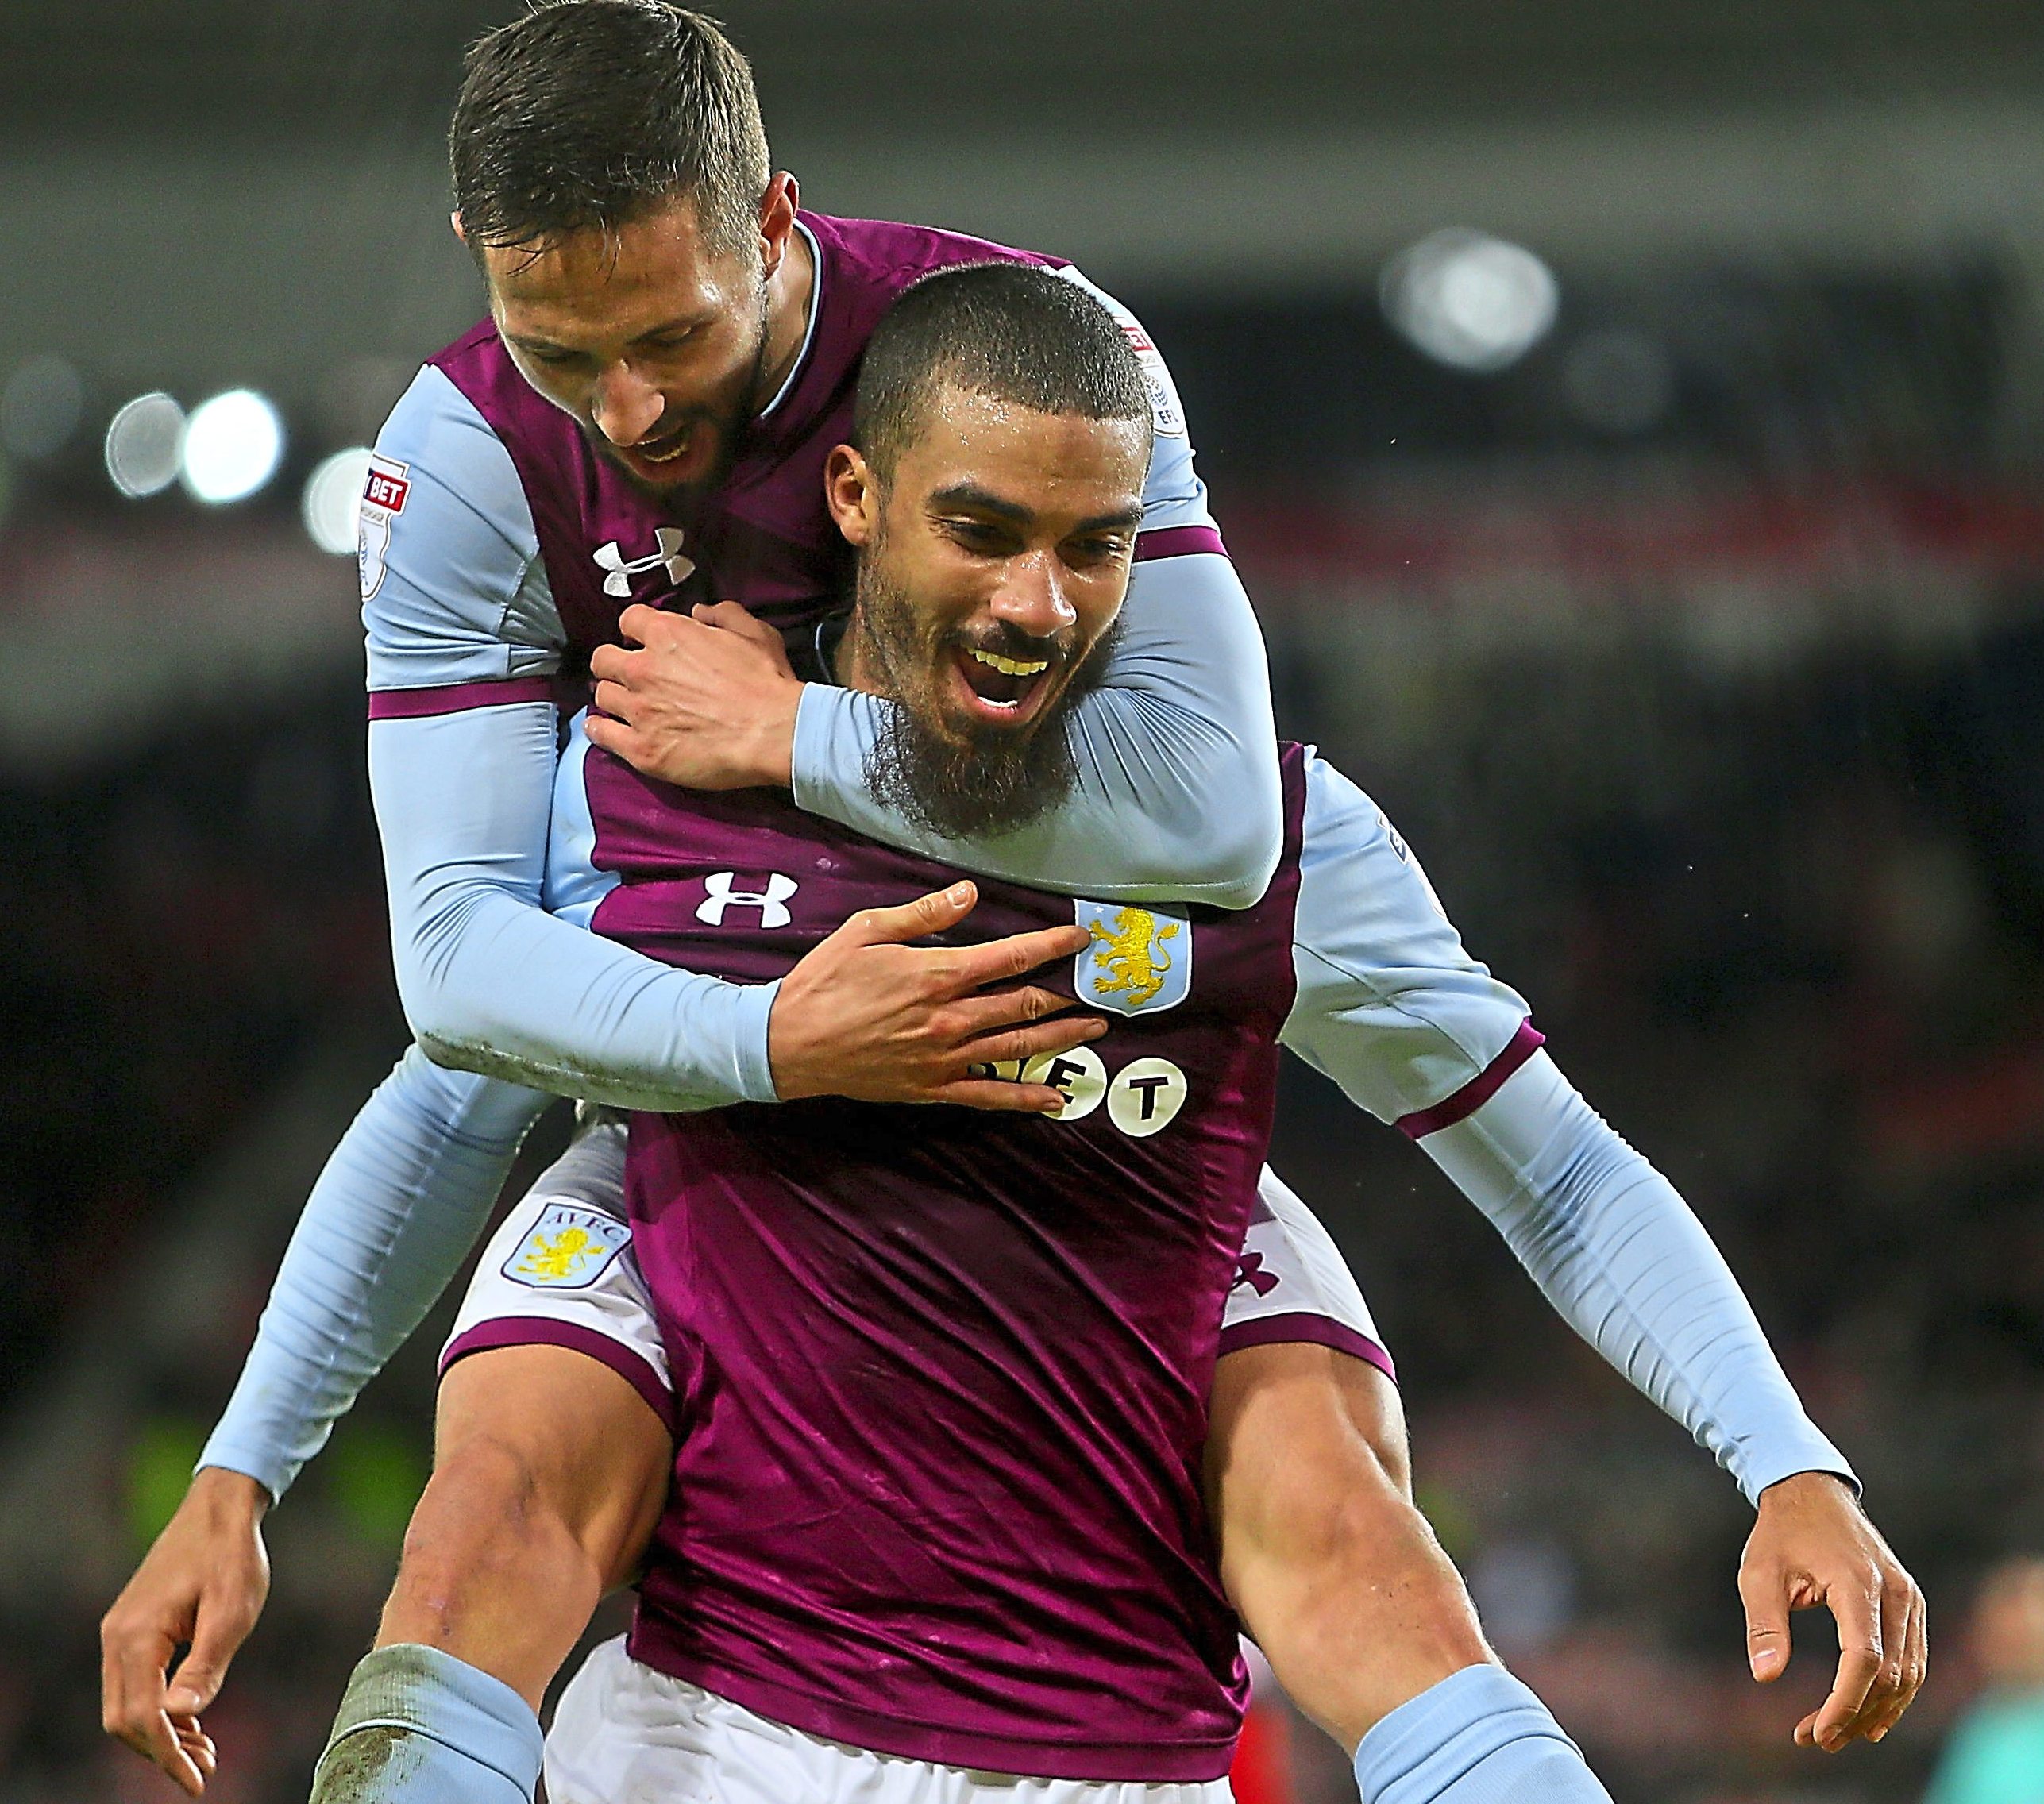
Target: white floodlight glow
x=332, y=499
x=232, y=445
x=1469, y=300
x=142, y=445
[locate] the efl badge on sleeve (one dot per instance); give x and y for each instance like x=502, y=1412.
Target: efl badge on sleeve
x=1139, y=958
x=568, y=1248
x=384, y=491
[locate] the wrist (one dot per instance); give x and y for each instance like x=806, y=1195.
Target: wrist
x=1800, y=1486
x=226, y=1495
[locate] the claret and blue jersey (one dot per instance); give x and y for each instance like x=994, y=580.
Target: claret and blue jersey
x=942, y=1376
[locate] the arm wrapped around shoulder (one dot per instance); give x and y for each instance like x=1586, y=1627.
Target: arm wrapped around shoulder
x=1177, y=798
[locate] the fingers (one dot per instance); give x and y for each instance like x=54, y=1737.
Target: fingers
x=730, y=617
x=612, y=663
x=133, y=1659
x=616, y=738
x=202, y=1758
x=640, y=625
x=216, y=1638
x=998, y=1097
x=615, y=700
x=933, y=913
x=988, y=1011
x=1765, y=1592
x=1912, y=1660
x=1023, y=1044
x=1916, y=1664
x=1860, y=1659
x=976, y=966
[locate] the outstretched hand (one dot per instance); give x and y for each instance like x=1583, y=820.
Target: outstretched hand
x=203, y=1584
x=1813, y=1545
x=705, y=699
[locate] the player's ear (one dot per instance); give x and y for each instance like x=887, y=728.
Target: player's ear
x=454, y=219
x=851, y=494
x=777, y=219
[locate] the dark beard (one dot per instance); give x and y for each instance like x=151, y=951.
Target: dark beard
x=993, y=781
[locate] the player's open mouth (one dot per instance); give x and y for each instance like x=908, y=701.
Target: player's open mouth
x=681, y=456
x=663, y=450
x=997, y=687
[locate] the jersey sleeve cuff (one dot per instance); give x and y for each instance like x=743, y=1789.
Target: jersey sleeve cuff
x=752, y=1006
x=1787, y=1455
x=827, y=741
x=272, y=1472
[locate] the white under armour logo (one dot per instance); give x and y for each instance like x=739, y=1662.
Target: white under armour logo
x=622, y=571
x=770, y=901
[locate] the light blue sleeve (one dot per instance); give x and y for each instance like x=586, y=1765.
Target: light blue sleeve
x=453, y=588
x=456, y=607
x=391, y=1217
x=493, y=983
x=1177, y=798
x=1390, y=1007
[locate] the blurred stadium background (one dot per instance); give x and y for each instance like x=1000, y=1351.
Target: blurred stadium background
x=1628, y=421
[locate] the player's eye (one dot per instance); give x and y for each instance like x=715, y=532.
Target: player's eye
x=981, y=536
x=1087, y=551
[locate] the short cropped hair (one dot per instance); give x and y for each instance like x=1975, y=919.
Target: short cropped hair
x=1014, y=331
x=591, y=114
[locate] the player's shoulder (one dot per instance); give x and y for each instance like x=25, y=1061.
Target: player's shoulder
x=437, y=451
x=1351, y=850
x=893, y=254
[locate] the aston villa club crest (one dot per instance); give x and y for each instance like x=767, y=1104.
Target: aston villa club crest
x=568, y=1248
x=1138, y=959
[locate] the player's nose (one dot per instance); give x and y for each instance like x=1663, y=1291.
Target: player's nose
x=1031, y=596
x=625, y=406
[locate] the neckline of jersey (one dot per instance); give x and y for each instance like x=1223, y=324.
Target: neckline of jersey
x=809, y=329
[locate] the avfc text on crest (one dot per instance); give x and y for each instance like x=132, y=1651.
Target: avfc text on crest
x=567, y=1249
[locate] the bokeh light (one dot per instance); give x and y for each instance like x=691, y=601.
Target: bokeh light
x=232, y=446
x=332, y=499
x=1469, y=300
x=142, y=443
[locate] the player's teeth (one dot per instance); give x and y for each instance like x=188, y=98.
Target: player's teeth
x=1010, y=666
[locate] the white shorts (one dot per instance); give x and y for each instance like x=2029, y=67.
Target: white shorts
x=626, y=1734
x=560, y=1271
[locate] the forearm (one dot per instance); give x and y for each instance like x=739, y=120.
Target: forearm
x=396, y=1209
x=1177, y=795
x=492, y=983
x=1628, y=1265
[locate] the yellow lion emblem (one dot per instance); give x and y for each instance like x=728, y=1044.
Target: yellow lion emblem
x=556, y=1258
x=1134, y=962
